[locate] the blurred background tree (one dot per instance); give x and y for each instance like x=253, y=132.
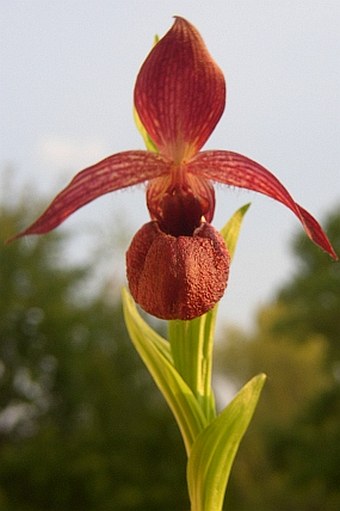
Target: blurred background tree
x=83, y=427
x=290, y=457
x=81, y=424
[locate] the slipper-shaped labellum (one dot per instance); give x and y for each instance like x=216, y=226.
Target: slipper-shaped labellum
x=177, y=264
x=177, y=276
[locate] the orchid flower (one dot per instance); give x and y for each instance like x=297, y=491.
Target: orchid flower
x=177, y=264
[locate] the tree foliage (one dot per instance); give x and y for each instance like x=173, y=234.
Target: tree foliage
x=81, y=424
x=290, y=458
x=83, y=427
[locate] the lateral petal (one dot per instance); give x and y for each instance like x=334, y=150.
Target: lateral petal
x=113, y=173
x=180, y=92
x=235, y=169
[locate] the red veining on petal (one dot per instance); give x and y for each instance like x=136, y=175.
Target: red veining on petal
x=113, y=173
x=237, y=170
x=177, y=277
x=180, y=92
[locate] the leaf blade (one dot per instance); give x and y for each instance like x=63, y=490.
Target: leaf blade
x=215, y=448
x=155, y=353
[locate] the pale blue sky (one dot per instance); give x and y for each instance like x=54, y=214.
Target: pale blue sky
x=67, y=76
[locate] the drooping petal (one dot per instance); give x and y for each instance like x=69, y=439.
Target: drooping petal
x=180, y=92
x=237, y=170
x=113, y=173
x=177, y=277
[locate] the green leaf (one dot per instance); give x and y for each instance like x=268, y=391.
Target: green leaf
x=215, y=448
x=192, y=341
x=149, y=143
x=230, y=232
x=155, y=352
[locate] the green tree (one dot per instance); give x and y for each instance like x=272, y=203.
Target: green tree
x=290, y=457
x=81, y=424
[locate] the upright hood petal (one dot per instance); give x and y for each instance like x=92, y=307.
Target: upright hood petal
x=180, y=92
x=115, y=172
x=237, y=170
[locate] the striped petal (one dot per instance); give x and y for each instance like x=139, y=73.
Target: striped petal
x=115, y=172
x=236, y=170
x=180, y=92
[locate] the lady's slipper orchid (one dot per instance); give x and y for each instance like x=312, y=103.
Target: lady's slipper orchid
x=177, y=264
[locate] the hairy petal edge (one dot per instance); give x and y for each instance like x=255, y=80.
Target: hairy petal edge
x=235, y=169
x=113, y=173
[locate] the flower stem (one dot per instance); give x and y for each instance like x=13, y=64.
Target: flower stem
x=191, y=347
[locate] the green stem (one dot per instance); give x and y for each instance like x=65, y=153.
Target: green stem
x=191, y=347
